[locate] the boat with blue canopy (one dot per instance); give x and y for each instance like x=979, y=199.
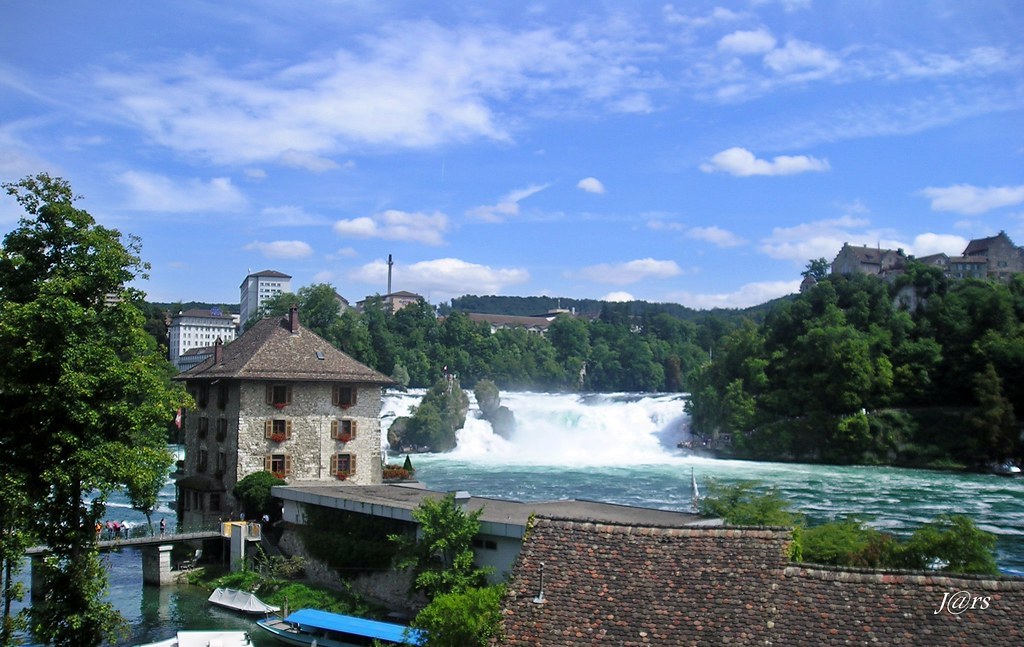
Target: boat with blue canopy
x=315, y=628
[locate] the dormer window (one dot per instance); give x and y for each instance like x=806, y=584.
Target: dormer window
x=343, y=396
x=279, y=395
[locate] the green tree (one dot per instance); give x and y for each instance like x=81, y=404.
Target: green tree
x=146, y=474
x=442, y=556
x=817, y=269
x=742, y=504
x=463, y=619
x=954, y=543
x=81, y=387
x=253, y=493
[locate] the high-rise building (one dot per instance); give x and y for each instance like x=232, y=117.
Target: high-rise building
x=258, y=288
x=198, y=328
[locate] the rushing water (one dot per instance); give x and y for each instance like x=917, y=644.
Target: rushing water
x=619, y=448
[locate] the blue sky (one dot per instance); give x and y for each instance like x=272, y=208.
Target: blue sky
x=698, y=153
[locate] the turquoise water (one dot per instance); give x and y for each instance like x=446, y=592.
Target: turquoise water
x=619, y=449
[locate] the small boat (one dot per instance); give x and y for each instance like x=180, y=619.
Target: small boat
x=205, y=639
x=241, y=601
x=314, y=628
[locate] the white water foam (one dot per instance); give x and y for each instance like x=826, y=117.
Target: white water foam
x=569, y=429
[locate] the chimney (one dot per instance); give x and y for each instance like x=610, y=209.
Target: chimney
x=293, y=319
x=218, y=351
x=390, y=264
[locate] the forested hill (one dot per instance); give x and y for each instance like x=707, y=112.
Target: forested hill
x=922, y=371
x=589, y=308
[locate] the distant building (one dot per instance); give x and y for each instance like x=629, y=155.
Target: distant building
x=279, y=399
x=1001, y=257
x=867, y=260
x=258, y=288
x=536, y=324
x=394, y=301
x=995, y=257
x=197, y=328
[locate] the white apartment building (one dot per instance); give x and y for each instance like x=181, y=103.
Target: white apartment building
x=257, y=288
x=198, y=328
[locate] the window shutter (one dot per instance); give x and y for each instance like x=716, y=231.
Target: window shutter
x=287, y=464
x=353, y=428
x=268, y=463
x=287, y=428
x=352, y=464
x=352, y=397
x=334, y=463
x=334, y=395
x=288, y=395
x=268, y=428
x=334, y=430
x=270, y=394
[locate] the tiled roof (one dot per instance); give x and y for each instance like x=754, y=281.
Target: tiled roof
x=272, y=274
x=269, y=351
x=632, y=585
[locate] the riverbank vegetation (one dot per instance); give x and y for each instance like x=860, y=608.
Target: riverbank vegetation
x=923, y=371
x=950, y=543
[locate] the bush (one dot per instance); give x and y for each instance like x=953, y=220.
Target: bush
x=253, y=493
x=471, y=617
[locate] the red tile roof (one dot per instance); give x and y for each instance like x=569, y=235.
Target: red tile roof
x=633, y=585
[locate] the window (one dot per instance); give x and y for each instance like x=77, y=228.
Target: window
x=343, y=430
x=279, y=395
x=222, y=463
x=204, y=426
x=215, y=502
x=343, y=396
x=202, y=395
x=277, y=429
x=486, y=544
x=201, y=464
x=280, y=465
x=222, y=429
x=343, y=465
x=222, y=395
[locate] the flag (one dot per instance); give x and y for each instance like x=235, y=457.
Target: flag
x=177, y=419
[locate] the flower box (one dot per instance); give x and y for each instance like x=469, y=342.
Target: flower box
x=342, y=476
x=345, y=437
x=278, y=438
x=280, y=405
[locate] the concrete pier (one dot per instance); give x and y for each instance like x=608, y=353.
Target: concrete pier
x=156, y=565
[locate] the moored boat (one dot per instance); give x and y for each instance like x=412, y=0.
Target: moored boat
x=314, y=628
x=241, y=601
x=205, y=639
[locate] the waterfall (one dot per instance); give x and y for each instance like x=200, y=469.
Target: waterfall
x=568, y=429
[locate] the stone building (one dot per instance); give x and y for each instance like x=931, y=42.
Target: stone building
x=587, y=583
x=1000, y=256
x=867, y=260
x=279, y=399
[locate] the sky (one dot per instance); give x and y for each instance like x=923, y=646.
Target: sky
x=698, y=153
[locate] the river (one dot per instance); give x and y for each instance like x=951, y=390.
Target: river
x=619, y=448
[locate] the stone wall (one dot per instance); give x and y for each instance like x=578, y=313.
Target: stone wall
x=310, y=445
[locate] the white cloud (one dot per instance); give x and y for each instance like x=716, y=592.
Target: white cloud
x=411, y=84
x=972, y=200
x=443, y=278
x=590, y=185
x=426, y=228
x=618, y=297
x=308, y=161
x=818, y=239
x=742, y=163
x=292, y=249
x=631, y=271
x=718, y=15
x=747, y=42
x=152, y=192
x=751, y=294
x=715, y=235
x=804, y=59
x=508, y=205
x=927, y=244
